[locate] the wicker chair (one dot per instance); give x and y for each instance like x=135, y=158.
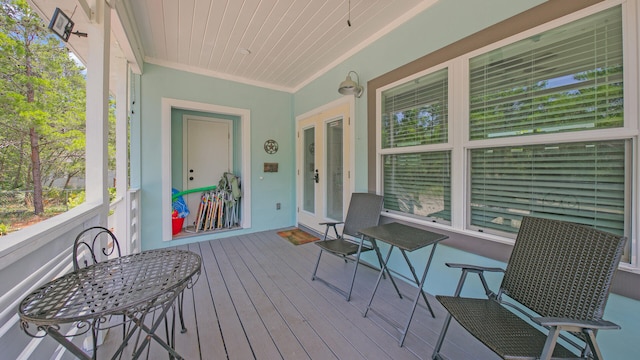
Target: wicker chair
x=364, y=211
x=558, y=270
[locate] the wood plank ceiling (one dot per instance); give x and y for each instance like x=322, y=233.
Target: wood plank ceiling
x=286, y=43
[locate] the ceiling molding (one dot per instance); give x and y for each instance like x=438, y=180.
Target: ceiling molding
x=215, y=74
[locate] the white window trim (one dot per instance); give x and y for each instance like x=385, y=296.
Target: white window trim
x=245, y=157
x=458, y=126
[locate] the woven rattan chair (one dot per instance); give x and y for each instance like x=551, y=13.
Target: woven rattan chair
x=559, y=270
x=364, y=211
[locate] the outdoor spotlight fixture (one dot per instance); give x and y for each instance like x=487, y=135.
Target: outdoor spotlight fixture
x=61, y=25
x=350, y=87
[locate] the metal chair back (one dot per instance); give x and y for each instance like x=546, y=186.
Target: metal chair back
x=96, y=242
x=364, y=211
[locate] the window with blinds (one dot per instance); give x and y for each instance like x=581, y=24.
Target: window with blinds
x=569, y=79
x=418, y=184
x=566, y=79
x=544, y=133
x=415, y=113
x=579, y=182
x=416, y=181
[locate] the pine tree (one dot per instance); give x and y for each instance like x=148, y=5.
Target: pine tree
x=42, y=103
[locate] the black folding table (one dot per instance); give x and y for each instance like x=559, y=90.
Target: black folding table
x=407, y=239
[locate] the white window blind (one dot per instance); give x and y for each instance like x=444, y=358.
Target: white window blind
x=418, y=184
x=566, y=79
x=416, y=113
x=580, y=182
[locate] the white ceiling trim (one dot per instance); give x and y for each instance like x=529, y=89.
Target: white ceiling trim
x=215, y=74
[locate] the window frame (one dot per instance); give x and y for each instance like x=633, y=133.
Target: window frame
x=461, y=146
x=437, y=147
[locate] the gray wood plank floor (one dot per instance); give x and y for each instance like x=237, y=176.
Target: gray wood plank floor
x=255, y=300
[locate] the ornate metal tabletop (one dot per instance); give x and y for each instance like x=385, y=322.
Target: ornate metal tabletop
x=127, y=285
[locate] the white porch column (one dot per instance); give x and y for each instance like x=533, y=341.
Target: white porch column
x=97, y=107
x=122, y=108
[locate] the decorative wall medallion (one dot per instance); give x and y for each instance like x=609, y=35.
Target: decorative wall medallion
x=271, y=146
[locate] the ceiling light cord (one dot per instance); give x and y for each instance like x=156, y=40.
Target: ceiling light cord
x=349, y=15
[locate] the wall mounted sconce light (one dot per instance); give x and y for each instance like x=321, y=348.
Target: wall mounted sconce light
x=61, y=25
x=350, y=87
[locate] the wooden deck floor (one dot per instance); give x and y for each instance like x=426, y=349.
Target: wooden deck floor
x=255, y=300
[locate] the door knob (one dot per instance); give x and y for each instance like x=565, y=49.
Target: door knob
x=316, y=177
x=190, y=177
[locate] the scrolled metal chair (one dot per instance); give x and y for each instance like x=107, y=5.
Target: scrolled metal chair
x=89, y=244
x=93, y=245
x=88, y=240
x=560, y=271
x=98, y=243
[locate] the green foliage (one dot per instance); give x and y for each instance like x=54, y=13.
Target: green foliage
x=112, y=194
x=79, y=197
x=76, y=199
x=4, y=229
x=42, y=97
x=43, y=92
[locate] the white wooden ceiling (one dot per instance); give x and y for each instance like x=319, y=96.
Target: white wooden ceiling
x=291, y=42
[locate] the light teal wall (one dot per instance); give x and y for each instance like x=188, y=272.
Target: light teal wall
x=273, y=115
x=442, y=24
x=271, y=118
x=134, y=132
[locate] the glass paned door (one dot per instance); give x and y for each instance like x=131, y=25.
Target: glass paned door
x=323, y=167
x=309, y=169
x=335, y=184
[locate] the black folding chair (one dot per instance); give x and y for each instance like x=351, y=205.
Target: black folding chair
x=364, y=211
x=560, y=271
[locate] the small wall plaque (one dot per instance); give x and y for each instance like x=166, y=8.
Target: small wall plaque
x=270, y=167
x=270, y=146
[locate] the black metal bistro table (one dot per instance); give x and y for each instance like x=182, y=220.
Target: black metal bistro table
x=132, y=286
x=405, y=238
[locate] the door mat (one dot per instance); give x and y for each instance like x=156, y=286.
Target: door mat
x=297, y=236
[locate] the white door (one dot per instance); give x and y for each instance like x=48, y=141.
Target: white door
x=323, y=163
x=207, y=156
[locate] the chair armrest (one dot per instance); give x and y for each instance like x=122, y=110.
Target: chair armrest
x=474, y=268
x=331, y=223
x=575, y=325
